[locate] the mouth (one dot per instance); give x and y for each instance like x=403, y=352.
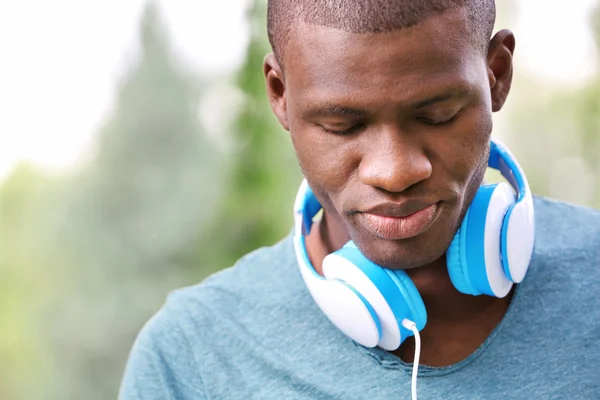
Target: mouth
x=391, y=223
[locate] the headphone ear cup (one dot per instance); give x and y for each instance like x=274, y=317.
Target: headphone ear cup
x=346, y=308
x=393, y=298
x=457, y=262
x=518, y=233
x=467, y=263
x=475, y=252
x=411, y=295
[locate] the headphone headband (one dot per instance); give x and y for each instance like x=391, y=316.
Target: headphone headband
x=503, y=160
x=306, y=207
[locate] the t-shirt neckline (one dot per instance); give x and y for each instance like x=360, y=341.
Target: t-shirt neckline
x=391, y=361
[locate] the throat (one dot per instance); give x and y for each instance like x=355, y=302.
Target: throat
x=453, y=333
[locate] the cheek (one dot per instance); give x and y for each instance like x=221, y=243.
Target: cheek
x=321, y=163
x=460, y=155
x=478, y=143
x=475, y=149
x=325, y=159
x=472, y=138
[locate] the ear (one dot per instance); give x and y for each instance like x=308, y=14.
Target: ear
x=500, y=67
x=276, y=89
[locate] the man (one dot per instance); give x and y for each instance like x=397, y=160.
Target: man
x=388, y=102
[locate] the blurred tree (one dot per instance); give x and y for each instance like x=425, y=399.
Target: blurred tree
x=126, y=222
x=22, y=283
x=561, y=124
x=264, y=175
x=595, y=25
x=589, y=117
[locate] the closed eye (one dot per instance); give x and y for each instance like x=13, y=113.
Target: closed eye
x=429, y=121
x=349, y=131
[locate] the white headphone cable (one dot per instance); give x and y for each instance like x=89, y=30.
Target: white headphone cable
x=408, y=324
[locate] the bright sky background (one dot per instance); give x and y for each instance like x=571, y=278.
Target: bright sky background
x=59, y=61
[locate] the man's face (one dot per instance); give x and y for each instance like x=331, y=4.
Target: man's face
x=391, y=131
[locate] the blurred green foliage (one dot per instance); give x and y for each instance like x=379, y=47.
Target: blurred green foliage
x=87, y=258
x=256, y=209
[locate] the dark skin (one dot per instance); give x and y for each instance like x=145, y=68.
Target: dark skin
x=401, y=119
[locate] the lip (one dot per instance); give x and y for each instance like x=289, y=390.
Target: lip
x=396, y=223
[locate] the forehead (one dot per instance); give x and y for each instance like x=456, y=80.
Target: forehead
x=438, y=52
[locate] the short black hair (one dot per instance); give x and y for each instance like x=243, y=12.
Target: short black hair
x=372, y=16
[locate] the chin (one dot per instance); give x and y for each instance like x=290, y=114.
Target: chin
x=417, y=251
x=404, y=256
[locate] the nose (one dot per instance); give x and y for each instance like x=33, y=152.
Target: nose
x=393, y=162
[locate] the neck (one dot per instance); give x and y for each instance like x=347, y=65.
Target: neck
x=457, y=324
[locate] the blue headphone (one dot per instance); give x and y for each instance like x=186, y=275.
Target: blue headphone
x=490, y=252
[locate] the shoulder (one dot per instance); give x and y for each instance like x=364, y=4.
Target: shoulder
x=201, y=324
x=566, y=248
x=564, y=227
x=260, y=286
x=561, y=286
x=161, y=364
x=262, y=276
x=263, y=287
x=550, y=212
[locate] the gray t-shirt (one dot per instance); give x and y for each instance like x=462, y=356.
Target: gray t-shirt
x=254, y=332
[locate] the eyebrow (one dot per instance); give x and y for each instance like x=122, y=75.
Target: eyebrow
x=320, y=111
x=455, y=93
